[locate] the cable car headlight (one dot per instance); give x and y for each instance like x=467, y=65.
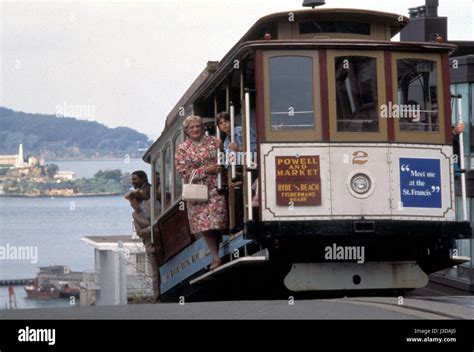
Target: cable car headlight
x=360, y=183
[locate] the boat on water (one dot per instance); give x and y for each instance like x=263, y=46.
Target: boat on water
x=54, y=282
x=42, y=292
x=68, y=291
x=51, y=291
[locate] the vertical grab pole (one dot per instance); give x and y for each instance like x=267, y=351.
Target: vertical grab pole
x=218, y=135
x=248, y=154
x=227, y=96
x=232, y=139
x=219, y=175
x=461, y=160
x=152, y=199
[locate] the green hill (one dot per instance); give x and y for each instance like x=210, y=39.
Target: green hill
x=54, y=137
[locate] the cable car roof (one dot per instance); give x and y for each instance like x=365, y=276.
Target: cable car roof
x=395, y=22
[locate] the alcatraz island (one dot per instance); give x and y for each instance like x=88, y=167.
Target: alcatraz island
x=34, y=178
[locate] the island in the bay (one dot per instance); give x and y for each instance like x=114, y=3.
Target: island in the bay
x=26, y=140
x=34, y=178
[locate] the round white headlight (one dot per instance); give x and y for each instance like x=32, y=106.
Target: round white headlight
x=360, y=183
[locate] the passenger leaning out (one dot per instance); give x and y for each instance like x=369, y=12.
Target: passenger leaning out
x=141, y=221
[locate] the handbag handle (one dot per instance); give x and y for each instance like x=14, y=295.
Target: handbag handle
x=193, y=173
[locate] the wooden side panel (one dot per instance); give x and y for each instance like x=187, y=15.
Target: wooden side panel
x=173, y=233
x=323, y=76
x=447, y=98
x=389, y=92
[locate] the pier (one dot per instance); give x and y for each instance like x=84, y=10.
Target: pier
x=13, y=282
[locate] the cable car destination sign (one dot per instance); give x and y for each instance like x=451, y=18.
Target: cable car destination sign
x=298, y=180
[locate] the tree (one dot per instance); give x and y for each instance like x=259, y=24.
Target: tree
x=115, y=175
x=51, y=170
x=126, y=180
x=50, y=137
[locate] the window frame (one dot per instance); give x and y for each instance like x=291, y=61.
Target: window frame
x=342, y=34
x=422, y=136
x=293, y=136
x=177, y=135
x=164, y=205
x=378, y=31
x=153, y=190
x=382, y=134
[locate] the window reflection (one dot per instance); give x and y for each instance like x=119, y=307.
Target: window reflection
x=168, y=173
x=417, y=95
x=356, y=87
x=351, y=27
x=291, y=93
x=178, y=181
x=157, y=185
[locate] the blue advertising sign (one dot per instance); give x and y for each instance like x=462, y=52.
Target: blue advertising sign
x=420, y=183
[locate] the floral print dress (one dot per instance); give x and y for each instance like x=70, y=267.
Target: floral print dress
x=192, y=155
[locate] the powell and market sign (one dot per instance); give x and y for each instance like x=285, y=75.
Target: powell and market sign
x=298, y=180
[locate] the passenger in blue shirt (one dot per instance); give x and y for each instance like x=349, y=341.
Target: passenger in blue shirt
x=223, y=122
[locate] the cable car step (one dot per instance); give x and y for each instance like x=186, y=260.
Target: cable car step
x=237, y=263
x=457, y=259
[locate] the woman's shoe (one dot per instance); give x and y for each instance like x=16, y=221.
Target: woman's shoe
x=215, y=264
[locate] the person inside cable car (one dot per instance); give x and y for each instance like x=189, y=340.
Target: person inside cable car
x=235, y=151
x=223, y=121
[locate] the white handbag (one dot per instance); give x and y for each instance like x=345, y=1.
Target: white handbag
x=195, y=193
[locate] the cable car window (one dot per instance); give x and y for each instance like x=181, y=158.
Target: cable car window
x=417, y=95
x=291, y=93
x=168, y=173
x=178, y=182
x=356, y=94
x=308, y=27
x=157, y=185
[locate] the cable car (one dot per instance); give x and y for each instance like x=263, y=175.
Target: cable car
x=354, y=164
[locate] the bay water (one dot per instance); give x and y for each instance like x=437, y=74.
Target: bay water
x=53, y=227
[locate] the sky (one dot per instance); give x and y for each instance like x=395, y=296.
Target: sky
x=126, y=63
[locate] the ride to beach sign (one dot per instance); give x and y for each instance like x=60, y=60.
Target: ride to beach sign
x=298, y=180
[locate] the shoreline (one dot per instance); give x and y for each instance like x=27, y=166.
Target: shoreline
x=106, y=159
x=61, y=196
x=30, y=184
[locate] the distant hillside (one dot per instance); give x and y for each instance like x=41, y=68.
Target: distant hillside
x=54, y=137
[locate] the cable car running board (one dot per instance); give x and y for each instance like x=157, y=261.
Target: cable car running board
x=237, y=263
x=458, y=259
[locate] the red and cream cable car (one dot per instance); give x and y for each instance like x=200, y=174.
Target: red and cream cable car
x=354, y=160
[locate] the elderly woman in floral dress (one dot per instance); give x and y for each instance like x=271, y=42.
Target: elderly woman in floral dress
x=199, y=152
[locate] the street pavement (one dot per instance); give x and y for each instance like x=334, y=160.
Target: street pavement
x=432, y=302
x=460, y=307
